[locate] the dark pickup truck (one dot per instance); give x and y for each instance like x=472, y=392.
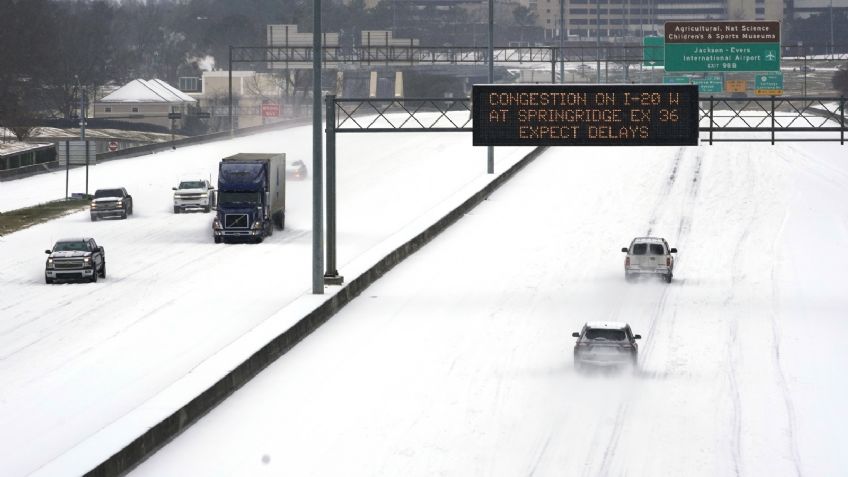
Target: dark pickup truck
x=75, y=259
x=111, y=203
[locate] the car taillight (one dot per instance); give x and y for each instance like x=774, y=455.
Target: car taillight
x=627, y=262
x=667, y=261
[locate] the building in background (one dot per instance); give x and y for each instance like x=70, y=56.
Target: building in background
x=145, y=102
x=622, y=20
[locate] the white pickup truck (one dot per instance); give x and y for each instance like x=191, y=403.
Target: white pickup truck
x=194, y=195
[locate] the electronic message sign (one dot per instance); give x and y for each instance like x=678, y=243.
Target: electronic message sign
x=722, y=46
x=585, y=115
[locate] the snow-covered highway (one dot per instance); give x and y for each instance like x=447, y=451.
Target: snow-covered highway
x=75, y=358
x=458, y=362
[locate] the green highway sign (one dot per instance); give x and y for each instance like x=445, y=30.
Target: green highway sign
x=709, y=57
x=709, y=84
x=653, y=51
x=675, y=79
x=768, y=81
x=768, y=84
x=722, y=46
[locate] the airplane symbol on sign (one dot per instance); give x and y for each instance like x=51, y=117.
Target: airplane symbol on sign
x=770, y=56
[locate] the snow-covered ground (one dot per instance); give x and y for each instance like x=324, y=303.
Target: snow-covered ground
x=458, y=362
x=74, y=358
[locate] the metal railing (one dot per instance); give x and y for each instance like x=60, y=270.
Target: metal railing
x=721, y=119
x=401, y=114
x=416, y=54
x=773, y=119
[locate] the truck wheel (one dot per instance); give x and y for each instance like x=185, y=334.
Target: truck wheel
x=93, y=218
x=94, y=275
x=176, y=210
x=124, y=214
x=668, y=278
x=48, y=280
x=217, y=239
x=103, y=270
x=130, y=209
x=207, y=209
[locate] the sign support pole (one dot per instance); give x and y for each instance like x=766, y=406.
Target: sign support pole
x=317, y=158
x=490, y=150
x=331, y=276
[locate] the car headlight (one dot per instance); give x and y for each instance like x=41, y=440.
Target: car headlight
x=216, y=224
x=256, y=225
x=86, y=259
x=120, y=202
x=94, y=205
x=49, y=263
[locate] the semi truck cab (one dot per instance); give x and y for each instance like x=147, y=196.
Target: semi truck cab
x=251, y=197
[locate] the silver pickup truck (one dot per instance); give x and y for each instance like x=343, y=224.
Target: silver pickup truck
x=75, y=259
x=649, y=256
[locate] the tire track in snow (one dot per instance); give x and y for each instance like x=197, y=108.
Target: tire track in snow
x=659, y=309
x=736, y=277
x=781, y=376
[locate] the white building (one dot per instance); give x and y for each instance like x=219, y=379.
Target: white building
x=145, y=102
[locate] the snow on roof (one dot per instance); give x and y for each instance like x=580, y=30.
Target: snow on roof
x=615, y=325
x=151, y=91
x=174, y=91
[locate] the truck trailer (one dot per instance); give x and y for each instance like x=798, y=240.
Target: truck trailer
x=251, y=197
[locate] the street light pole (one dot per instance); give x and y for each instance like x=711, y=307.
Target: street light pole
x=490, y=150
x=561, y=41
x=803, y=51
x=317, y=157
x=598, y=37
x=831, y=27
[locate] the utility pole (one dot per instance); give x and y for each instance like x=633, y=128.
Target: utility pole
x=82, y=133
